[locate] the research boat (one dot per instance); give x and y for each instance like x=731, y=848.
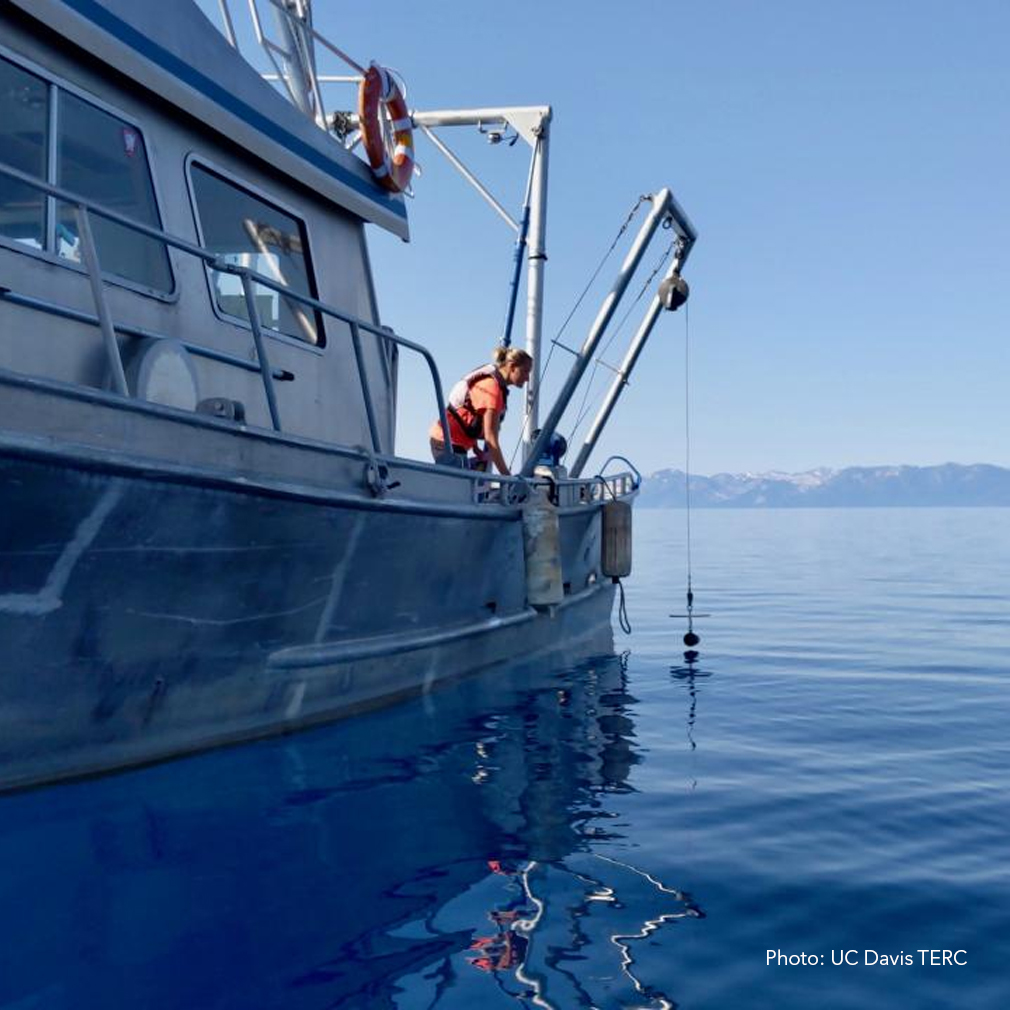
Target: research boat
x=208, y=534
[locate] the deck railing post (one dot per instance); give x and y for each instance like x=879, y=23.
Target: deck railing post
x=261, y=351
x=89, y=252
x=448, y=458
x=366, y=392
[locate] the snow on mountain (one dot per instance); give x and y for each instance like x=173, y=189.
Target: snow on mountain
x=948, y=484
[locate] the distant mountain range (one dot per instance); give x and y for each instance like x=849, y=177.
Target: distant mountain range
x=855, y=486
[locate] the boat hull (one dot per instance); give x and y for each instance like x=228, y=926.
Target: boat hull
x=147, y=615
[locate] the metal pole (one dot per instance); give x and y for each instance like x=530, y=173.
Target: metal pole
x=454, y=160
x=261, y=351
x=90, y=253
x=297, y=75
x=526, y=120
x=52, y=154
x=660, y=208
x=301, y=25
x=535, y=283
x=517, y=260
x=621, y=379
x=229, y=26
x=366, y=392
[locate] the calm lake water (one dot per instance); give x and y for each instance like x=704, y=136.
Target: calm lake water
x=831, y=776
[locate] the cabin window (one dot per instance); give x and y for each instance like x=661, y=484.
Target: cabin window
x=104, y=159
x=24, y=143
x=98, y=156
x=249, y=232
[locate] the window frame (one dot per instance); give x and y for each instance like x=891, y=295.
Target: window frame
x=55, y=83
x=194, y=158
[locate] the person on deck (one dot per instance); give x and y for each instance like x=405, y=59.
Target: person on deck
x=477, y=405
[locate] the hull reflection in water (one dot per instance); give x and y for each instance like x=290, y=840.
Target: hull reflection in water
x=456, y=851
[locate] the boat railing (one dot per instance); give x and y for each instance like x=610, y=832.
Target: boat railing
x=620, y=484
x=292, y=56
x=512, y=489
x=85, y=208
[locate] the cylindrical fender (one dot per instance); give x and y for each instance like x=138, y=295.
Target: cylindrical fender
x=616, y=539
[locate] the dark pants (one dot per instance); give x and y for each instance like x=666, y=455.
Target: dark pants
x=437, y=448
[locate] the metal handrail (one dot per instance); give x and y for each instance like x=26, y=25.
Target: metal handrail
x=269, y=47
x=93, y=269
x=91, y=262
x=355, y=324
x=601, y=473
x=140, y=332
x=249, y=278
x=261, y=352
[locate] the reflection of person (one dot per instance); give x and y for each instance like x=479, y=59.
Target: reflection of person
x=507, y=947
x=477, y=405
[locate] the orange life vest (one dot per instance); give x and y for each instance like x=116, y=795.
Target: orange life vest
x=461, y=407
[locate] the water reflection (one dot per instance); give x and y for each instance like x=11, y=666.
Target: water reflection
x=608, y=908
x=688, y=674
x=455, y=851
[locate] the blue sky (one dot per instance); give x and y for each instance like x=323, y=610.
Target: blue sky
x=847, y=168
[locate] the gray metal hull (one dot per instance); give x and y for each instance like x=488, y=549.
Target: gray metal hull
x=228, y=546
x=147, y=613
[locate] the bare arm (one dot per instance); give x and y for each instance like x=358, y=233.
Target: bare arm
x=491, y=422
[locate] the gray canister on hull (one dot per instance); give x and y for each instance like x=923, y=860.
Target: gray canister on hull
x=616, y=539
x=542, y=547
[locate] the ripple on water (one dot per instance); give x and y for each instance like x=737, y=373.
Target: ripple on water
x=832, y=774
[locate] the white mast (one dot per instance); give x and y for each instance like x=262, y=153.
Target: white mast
x=532, y=124
x=536, y=258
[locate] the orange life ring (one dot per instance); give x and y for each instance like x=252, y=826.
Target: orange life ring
x=380, y=96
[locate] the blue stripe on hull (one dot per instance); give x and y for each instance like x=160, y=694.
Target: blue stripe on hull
x=217, y=94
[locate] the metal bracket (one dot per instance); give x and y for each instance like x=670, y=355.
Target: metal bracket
x=377, y=478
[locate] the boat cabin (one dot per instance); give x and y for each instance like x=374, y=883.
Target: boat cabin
x=161, y=121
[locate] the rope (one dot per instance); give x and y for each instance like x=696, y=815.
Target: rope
x=575, y=308
x=592, y=279
x=583, y=410
x=521, y=245
x=622, y=610
x=596, y=273
x=645, y=287
x=687, y=456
